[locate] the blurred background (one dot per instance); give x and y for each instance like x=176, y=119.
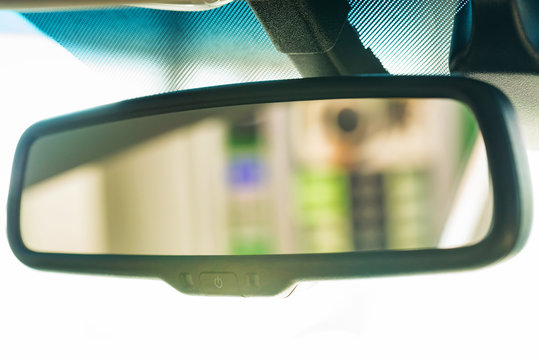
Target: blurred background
x=300, y=177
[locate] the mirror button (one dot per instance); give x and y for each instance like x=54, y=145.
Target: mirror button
x=219, y=283
x=187, y=280
x=253, y=280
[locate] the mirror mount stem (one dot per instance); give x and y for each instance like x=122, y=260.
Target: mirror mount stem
x=316, y=36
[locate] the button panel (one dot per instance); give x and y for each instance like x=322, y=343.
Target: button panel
x=219, y=283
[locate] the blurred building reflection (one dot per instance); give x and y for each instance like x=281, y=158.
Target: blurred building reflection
x=303, y=177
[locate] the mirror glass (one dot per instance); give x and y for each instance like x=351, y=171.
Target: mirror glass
x=320, y=176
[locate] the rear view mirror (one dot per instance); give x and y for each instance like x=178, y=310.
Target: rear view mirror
x=245, y=190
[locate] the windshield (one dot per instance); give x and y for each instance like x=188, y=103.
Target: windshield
x=55, y=63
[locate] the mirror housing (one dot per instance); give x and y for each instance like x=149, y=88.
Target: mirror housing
x=251, y=275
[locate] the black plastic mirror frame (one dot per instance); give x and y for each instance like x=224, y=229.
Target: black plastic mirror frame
x=250, y=275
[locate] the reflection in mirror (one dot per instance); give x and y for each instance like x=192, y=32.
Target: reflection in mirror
x=283, y=178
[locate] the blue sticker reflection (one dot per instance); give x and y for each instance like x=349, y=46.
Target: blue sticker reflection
x=245, y=171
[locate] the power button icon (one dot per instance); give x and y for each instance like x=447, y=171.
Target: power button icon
x=218, y=282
